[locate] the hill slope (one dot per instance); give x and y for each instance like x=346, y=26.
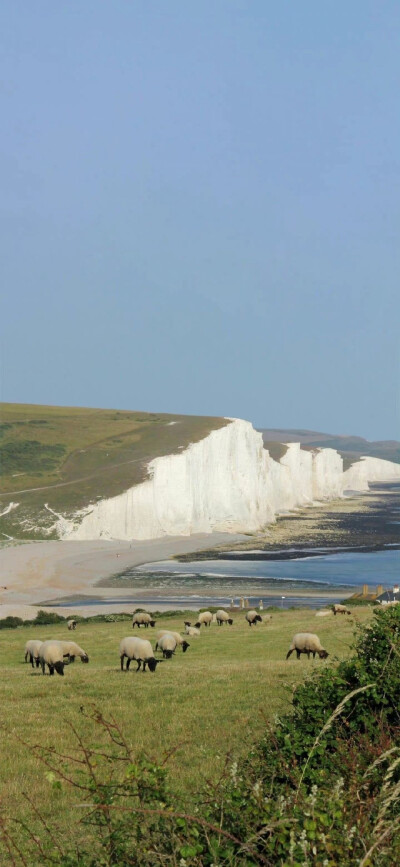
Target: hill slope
x=69, y=457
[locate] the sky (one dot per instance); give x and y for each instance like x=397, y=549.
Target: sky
x=200, y=209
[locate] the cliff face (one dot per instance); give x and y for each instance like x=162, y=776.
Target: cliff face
x=219, y=483
x=327, y=475
x=368, y=469
x=226, y=482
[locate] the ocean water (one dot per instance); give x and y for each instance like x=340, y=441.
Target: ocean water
x=306, y=580
x=352, y=569
x=314, y=581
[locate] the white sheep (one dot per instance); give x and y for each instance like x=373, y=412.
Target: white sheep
x=167, y=644
x=253, y=618
x=323, y=613
x=267, y=618
x=32, y=651
x=71, y=649
x=340, y=609
x=181, y=642
x=71, y=624
x=307, y=642
x=193, y=631
x=223, y=617
x=139, y=649
x=142, y=618
x=51, y=654
x=205, y=617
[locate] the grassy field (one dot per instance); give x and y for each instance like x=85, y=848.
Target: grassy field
x=76, y=456
x=211, y=700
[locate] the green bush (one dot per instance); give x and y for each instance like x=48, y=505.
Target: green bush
x=11, y=622
x=44, y=618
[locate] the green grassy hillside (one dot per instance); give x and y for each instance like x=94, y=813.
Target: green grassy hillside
x=211, y=700
x=69, y=457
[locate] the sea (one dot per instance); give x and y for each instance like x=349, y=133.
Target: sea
x=305, y=580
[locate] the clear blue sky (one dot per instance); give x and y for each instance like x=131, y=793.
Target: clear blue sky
x=200, y=208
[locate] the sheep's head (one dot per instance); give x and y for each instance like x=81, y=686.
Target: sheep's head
x=152, y=663
x=85, y=658
x=59, y=667
x=230, y=621
x=152, y=622
x=323, y=654
x=197, y=625
x=187, y=622
x=185, y=645
x=168, y=654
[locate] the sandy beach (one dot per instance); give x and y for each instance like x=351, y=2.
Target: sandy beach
x=35, y=571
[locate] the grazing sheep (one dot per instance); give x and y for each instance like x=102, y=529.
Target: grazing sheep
x=307, y=642
x=32, y=650
x=51, y=654
x=252, y=618
x=71, y=650
x=142, y=618
x=178, y=638
x=340, y=609
x=139, y=649
x=71, y=624
x=193, y=631
x=223, y=617
x=204, y=617
x=167, y=644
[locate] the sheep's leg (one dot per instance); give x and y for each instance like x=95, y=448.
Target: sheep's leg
x=128, y=662
x=122, y=661
x=298, y=653
x=43, y=664
x=26, y=656
x=144, y=665
x=37, y=660
x=138, y=665
x=289, y=652
x=31, y=660
x=51, y=669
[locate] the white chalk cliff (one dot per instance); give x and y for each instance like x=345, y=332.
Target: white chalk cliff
x=226, y=482
x=368, y=469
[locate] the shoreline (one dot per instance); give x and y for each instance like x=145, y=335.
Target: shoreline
x=57, y=571
x=36, y=571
